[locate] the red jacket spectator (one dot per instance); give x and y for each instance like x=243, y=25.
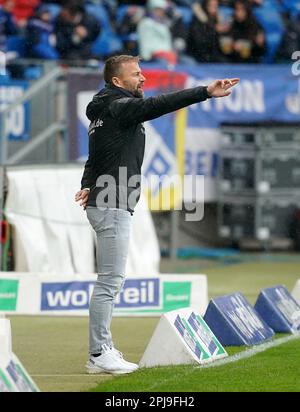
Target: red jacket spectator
x=23, y=9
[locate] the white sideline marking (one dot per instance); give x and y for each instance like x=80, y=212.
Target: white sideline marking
x=234, y=358
x=250, y=352
x=94, y=375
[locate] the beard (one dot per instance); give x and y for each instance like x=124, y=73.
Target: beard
x=138, y=92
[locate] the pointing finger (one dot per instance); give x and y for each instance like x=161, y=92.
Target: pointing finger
x=234, y=81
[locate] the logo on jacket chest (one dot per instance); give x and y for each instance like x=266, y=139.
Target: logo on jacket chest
x=94, y=125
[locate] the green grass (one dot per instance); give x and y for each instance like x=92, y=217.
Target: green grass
x=54, y=349
x=275, y=370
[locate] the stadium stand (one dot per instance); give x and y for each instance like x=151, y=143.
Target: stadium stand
x=271, y=14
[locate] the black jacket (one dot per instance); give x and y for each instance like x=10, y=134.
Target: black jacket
x=203, y=41
x=117, y=140
x=70, y=46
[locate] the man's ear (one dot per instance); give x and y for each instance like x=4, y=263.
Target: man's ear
x=116, y=81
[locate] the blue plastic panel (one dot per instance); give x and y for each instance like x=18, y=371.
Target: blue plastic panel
x=235, y=322
x=279, y=309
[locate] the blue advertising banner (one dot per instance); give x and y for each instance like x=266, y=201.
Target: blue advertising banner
x=265, y=93
x=235, y=322
x=279, y=309
x=137, y=293
x=17, y=122
x=66, y=295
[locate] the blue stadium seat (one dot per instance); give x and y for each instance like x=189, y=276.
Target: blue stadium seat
x=107, y=42
x=269, y=18
x=273, y=4
x=271, y=21
x=33, y=73
x=121, y=12
x=16, y=44
x=273, y=42
x=101, y=15
x=186, y=14
x=54, y=10
x=4, y=77
x=226, y=13
x=291, y=6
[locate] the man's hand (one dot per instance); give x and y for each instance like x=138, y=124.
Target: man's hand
x=220, y=88
x=82, y=195
x=81, y=31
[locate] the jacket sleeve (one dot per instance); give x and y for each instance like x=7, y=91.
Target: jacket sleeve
x=133, y=110
x=88, y=178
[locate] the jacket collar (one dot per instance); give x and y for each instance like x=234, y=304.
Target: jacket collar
x=119, y=89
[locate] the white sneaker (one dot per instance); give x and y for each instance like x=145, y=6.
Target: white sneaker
x=119, y=354
x=109, y=362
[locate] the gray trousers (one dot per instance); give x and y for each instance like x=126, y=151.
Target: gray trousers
x=112, y=227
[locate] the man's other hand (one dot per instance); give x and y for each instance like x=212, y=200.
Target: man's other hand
x=82, y=195
x=220, y=88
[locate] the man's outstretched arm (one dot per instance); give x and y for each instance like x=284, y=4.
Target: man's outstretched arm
x=130, y=111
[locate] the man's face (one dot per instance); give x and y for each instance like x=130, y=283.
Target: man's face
x=131, y=78
x=240, y=12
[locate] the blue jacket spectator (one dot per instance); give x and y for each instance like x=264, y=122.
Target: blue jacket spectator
x=7, y=23
x=40, y=37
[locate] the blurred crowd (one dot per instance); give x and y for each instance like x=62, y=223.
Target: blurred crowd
x=173, y=31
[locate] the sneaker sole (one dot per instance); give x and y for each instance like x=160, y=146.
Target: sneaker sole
x=95, y=370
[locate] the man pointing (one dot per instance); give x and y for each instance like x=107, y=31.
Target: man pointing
x=110, y=185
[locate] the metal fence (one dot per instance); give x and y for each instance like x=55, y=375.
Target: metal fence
x=47, y=141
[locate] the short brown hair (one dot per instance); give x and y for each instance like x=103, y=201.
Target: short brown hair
x=112, y=66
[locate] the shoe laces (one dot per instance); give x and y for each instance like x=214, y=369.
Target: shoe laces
x=105, y=348
x=117, y=352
